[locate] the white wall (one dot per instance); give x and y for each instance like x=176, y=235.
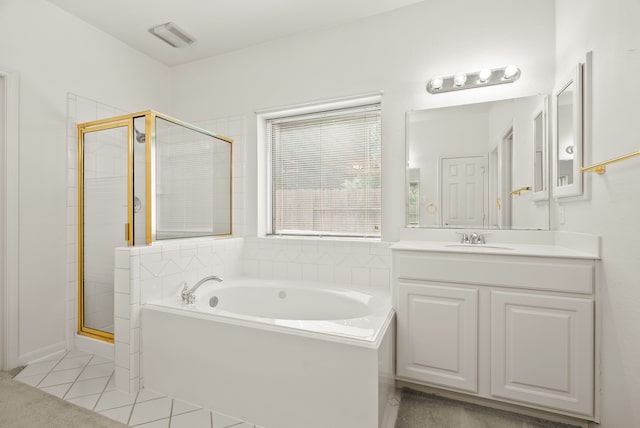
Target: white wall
x=610, y=30
x=396, y=52
x=55, y=53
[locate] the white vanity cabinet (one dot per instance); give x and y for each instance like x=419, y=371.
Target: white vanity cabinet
x=437, y=313
x=512, y=328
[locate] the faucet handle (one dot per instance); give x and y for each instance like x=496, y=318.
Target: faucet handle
x=184, y=291
x=464, y=238
x=477, y=238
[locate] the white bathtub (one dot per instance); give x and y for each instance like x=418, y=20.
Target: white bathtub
x=277, y=354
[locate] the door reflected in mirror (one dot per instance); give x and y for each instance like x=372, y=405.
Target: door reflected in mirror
x=465, y=162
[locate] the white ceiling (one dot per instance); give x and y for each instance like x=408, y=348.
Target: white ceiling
x=218, y=25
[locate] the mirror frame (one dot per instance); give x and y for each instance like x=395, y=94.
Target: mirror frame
x=543, y=113
x=576, y=188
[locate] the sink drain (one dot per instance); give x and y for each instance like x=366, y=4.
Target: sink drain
x=213, y=302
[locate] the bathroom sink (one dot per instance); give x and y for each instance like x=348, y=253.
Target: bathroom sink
x=478, y=247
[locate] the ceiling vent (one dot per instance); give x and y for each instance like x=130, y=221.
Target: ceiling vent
x=171, y=34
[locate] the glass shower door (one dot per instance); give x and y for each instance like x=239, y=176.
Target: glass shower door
x=105, y=190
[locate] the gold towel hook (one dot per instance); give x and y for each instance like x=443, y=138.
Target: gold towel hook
x=520, y=190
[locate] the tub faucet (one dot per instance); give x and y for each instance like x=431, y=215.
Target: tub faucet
x=189, y=294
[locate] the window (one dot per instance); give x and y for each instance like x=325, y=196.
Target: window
x=325, y=173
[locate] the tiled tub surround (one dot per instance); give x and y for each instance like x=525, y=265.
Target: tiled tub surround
x=357, y=263
x=313, y=373
x=144, y=274
x=149, y=273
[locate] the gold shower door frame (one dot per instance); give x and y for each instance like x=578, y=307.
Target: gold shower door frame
x=150, y=128
x=87, y=128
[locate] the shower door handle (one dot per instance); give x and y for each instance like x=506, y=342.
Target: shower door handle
x=126, y=232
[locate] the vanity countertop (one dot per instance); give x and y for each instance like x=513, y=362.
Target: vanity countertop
x=502, y=249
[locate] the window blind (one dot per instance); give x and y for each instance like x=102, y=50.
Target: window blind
x=325, y=173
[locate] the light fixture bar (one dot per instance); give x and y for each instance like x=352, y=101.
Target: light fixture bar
x=171, y=34
x=477, y=79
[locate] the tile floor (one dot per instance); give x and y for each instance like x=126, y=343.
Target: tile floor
x=88, y=381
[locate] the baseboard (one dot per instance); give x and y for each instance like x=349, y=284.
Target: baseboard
x=93, y=346
x=43, y=353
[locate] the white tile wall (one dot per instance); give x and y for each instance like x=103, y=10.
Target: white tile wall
x=360, y=264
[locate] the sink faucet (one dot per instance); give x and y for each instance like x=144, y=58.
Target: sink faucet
x=476, y=238
x=188, y=294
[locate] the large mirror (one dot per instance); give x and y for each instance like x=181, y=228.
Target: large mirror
x=477, y=165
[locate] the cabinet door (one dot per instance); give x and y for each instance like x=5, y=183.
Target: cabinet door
x=542, y=350
x=438, y=335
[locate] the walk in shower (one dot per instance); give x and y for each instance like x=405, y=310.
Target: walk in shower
x=143, y=177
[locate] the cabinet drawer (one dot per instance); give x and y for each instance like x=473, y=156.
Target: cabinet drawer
x=540, y=273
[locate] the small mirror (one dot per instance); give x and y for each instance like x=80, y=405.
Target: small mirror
x=540, y=191
x=567, y=152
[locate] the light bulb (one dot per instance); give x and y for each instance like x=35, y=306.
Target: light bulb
x=510, y=71
x=436, y=83
x=459, y=79
x=484, y=75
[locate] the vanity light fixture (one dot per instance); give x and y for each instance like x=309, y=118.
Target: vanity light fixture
x=436, y=83
x=459, y=79
x=171, y=34
x=484, y=77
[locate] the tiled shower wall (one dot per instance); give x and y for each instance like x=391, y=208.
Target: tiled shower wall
x=80, y=110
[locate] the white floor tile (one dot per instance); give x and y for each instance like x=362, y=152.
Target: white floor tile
x=150, y=411
x=89, y=381
x=86, y=401
x=111, y=386
x=147, y=394
x=58, y=378
x=120, y=414
x=77, y=353
x=97, y=359
x=72, y=363
x=56, y=357
x=87, y=387
x=113, y=399
x=36, y=368
x=224, y=421
x=198, y=419
x=162, y=423
x=31, y=380
x=58, y=390
x=180, y=407
x=99, y=370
